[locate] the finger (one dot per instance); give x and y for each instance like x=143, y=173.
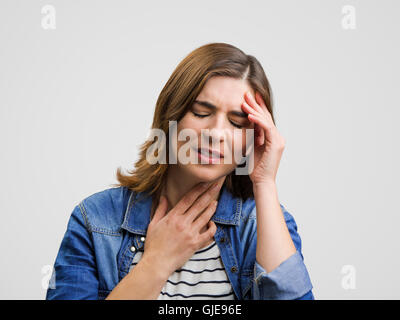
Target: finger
x=252, y=102
x=208, y=234
x=263, y=114
x=260, y=121
x=203, y=202
x=204, y=217
x=259, y=132
x=263, y=111
x=249, y=109
x=161, y=210
x=189, y=198
x=261, y=102
x=270, y=132
x=260, y=135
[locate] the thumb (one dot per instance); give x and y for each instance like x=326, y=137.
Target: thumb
x=161, y=210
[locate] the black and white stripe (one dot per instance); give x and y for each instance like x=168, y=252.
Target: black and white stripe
x=202, y=277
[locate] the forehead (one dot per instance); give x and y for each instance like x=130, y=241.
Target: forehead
x=225, y=93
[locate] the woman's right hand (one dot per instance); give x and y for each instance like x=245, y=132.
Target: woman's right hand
x=173, y=238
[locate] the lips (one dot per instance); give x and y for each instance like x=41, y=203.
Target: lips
x=210, y=153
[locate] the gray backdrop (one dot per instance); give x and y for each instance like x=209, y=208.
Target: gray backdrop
x=78, y=85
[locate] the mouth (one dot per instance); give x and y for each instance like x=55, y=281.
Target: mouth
x=209, y=156
x=210, y=153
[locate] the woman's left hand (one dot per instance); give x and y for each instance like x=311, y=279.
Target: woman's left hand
x=268, y=143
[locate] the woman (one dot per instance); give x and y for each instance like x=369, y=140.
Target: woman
x=197, y=229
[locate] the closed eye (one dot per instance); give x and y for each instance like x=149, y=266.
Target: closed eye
x=200, y=115
x=205, y=115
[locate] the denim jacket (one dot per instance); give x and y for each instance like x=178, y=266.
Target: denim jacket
x=106, y=229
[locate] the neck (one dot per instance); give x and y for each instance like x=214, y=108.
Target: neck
x=177, y=185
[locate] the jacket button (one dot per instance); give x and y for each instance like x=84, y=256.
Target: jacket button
x=133, y=249
x=234, y=269
x=142, y=239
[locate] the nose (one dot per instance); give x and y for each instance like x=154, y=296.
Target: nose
x=216, y=131
x=215, y=135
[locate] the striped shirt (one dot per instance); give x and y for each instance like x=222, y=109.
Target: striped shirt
x=202, y=277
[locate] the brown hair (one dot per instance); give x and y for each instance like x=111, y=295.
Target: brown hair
x=178, y=94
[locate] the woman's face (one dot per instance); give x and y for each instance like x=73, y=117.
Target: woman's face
x=227, y=95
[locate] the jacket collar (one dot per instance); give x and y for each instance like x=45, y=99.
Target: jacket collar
x=137, y=215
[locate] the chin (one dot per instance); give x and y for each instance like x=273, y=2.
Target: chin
x=205, y=173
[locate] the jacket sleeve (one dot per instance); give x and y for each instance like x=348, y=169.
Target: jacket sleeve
x=290, y=280
x=74, y=274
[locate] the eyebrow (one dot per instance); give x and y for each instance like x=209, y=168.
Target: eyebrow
x=212, y=107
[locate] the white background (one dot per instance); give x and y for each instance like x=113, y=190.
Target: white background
x=77, y=101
